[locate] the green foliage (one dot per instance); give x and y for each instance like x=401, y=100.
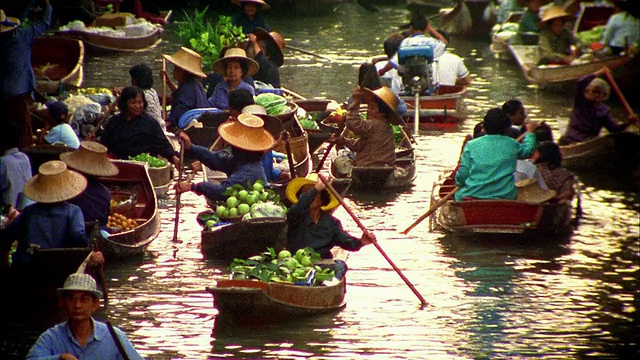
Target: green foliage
x=398, y=136
x=152, y=160
x=198, y=34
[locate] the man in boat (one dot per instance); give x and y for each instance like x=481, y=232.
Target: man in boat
x=248, y=140
x=450, y=69
x=17, y=80
x=81, y=336
x=266, y=49
x=249, y=19
x=310, y=223
x=589, y=114
x=15, y=169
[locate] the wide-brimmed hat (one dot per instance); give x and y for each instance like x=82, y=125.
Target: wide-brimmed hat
x=188, y=60
x=295, y=185
x=247, y=133
x=8, y=23
x=263, y=5
x=54, y=183
x=275, y=38
x=91, y=159
x=530, y=191
x=239, y=55
x=80, y=282
x=254, y=109
x=554, y=12
x=389, y=98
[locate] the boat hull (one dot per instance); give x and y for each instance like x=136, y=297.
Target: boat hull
x=243, y=239
x=444, y=109
x=614, y=151
x=57, y=62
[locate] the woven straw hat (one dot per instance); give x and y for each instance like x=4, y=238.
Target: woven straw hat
x=80, y=282
x=388, y=98
x=8, y=23
x=554, y=12
x=54, y=183
x=247, y=133
x=295, y=185
x=254, y=109
x=239, y=55
x=275, y=38
x=263, y=5
x=529, y=191
x=91, y=159
x=188, y=60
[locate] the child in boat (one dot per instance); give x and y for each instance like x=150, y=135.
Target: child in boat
x=60, y=131
x=310, y=223
x=555, y=41
x=589, y=114
x=549, y=160
x=248, y=140
x=488, y=163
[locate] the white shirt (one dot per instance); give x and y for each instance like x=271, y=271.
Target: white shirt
x=450, y=67
x=419, y=40
x=391, y=77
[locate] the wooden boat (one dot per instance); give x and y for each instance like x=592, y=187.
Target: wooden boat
x=527, y=57
x=497, y=217
x=133, y=178
x=370, y=179
x=103, y=42
x=503, y=34
x=57, y=62
x=442, y=110
x=244, y=238
x=612, y=151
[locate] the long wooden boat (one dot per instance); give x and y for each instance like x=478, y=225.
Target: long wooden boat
x=442, y=110
x=612, y=151
x=57, y=62
x=244, y=238
x=497, y=217
x=133, y=178
x=107, y=43
x=527, y=58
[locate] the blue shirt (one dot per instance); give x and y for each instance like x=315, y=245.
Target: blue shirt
x=487, y=166
x=63, y=134
x=621, y=29
x=16, y=73
x=272, y=173
x=189, y=95
x=237, y=172
x=59, y=340
x=95, y=201
x=249, y=25
x=220, y=97
x=15, y=170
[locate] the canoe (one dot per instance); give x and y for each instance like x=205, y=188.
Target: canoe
x=57, y=62
x=372, y=179
x=244, y=238
x=612, y=151
x=442, y=110
x=107, y=43
x=133, y=178
x=527, y=58
x=503, y=34
x=497, y=217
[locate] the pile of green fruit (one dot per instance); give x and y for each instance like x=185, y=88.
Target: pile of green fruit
x=242, y=203
x=299, y=269
x=153, y=161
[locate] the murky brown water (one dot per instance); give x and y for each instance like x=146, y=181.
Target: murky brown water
x=556, y=299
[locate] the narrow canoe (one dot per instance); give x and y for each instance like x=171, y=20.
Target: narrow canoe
x=244, y=238
x=57, y=62
x=444, y=109
x=132, y=178
x=498, y=217
x=612, y=151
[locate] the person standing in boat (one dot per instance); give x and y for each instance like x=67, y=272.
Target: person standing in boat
x=248, y=140
x=189, y=93
x=132, y=131
x=15, y=168
x=589, y=114
x=249, y=19
x=488, y=163
x=17, y=80
x=556, y=44
x=81, y=336
x=233, y=66
x=266, y=49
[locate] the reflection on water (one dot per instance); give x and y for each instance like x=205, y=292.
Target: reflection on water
x=561, y=298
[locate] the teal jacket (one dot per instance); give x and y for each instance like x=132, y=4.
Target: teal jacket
x=487, y=165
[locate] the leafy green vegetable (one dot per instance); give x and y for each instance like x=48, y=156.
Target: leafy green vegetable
x=592, y=35
x=150, y=159
x=398, y=136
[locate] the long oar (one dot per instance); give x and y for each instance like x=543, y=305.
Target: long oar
x=308, y=52
x=164, y=90
x=326, y=153
x=178, y=193
x=287, y=146
x=619, y=92
x=333, y=191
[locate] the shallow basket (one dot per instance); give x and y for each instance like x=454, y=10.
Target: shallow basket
x=127, y=200
x=160, y=176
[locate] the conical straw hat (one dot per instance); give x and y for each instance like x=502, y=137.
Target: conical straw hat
x=529, y=191
x=247, y=133
x=263, y=5
x=275, y=38
x=554, y=12
x=188, y=60
x=388, y=98
x=239, y=55
x=91, y=159
x=294, y=186
x=8, y=23
x=54, y=183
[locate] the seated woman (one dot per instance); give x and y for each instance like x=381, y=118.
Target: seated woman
x=622, y=30
x=249, y=19
x=548, y=158
x=248, y=140
x=266, y=49
x=375, y=145
x=91, y=161
x=234, y=66
x=555, y=42
x=189, y=93
x=589, y=114
x=58, y=130
x=132, y=131
x=51, y=222
x=488, y=163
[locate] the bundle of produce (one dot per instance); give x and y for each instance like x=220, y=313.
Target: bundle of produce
x=299, y=269
x=252, y=202
x=117, y=223
x=309, y=123
x=153, y=161
x=273, y=103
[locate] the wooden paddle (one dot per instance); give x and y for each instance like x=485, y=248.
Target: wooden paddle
x=619, y=92
x=164, y=90
x=287, y=146
x=104, y=117
x=308, y=52
x=333, y=191
x=178, y=193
